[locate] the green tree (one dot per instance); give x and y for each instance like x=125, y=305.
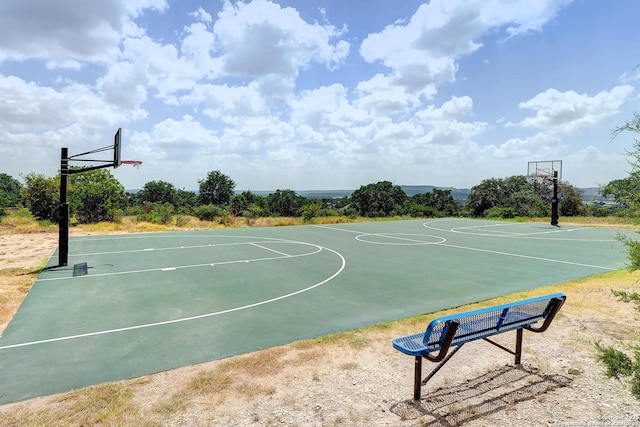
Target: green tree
x=217, y=188
x=623, y=191
x=10, y=191
x=157, y=192
x=379, y=199
x=570, y=200
x=442, y=201
x=185, y=200
x=494, y=192
x=42, y=195
x=437, y=203
x=626, y=190
x=285, y=202
x=247, y=203
x=95, y=196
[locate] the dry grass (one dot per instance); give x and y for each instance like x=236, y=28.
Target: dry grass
x=15, y=284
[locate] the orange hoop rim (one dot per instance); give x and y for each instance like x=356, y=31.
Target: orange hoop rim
x=134, y=163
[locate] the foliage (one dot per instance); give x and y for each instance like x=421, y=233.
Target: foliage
x=185, y=200
x=627, y=191
x=10, y=191
x=217, y=188
x=624, y=191
x=208, y=212
x=617, y=363
x=437, y=203
x=95, y=196
x=379, y=200
x=42, y=195
x=157, y=213
x=527, y=199
x=284, y=203
x=310, y=211
x=501, y=212
x=157, y=192
x=249, y=205
x=627, y=297
x=495, y=192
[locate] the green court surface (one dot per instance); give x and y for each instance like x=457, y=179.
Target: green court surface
x=146, y=303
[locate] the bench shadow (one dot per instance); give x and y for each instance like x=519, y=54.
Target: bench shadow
x=492, y=392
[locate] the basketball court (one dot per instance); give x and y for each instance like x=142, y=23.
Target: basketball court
x=136, y=304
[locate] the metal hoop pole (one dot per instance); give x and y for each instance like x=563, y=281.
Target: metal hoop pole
x=554, y=204
x=63, y=213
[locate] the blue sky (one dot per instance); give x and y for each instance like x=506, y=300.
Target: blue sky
x=326, y=94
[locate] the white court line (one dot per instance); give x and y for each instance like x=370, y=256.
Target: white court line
x=528, y=257
x=269, y=249
x=186, y=319
x=179, y=267
x=172, y=248
x=494, y=252
x=341, y=229
x=530, y=236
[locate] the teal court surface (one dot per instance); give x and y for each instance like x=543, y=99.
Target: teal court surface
x=134, y=304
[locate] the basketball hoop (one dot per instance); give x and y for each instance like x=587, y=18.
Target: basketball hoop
x=541, y=178
x=134, y=163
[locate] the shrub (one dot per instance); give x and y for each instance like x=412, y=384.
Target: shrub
x=207, y=212
x=156, y=213
x=617, y=363
x=501, y=212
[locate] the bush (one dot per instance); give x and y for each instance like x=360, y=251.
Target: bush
x=181, y=221
x=598, y=211
x=310, y=211
x=208, y=212
x=500, y=212
x=617, y=363
x=156, y=213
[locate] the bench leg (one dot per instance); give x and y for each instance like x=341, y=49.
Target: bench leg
x=417, y=378
x=518, y=352
x=418, y=382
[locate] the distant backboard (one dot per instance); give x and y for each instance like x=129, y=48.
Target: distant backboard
x=545, y=170
x=117, y=148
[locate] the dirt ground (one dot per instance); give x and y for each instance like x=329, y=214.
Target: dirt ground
x=359, y=379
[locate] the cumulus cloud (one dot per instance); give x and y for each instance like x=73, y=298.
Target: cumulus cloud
x=60, y=31
x=569, y=112
x=422, y=54
x=261, y=39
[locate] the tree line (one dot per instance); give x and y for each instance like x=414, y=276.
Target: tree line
x=96, y=196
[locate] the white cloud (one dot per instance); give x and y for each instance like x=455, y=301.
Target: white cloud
x=261, y=39
x=569, y=112
x=66, y=31
x=456, y=107
x=326, y=108
x=422, y=53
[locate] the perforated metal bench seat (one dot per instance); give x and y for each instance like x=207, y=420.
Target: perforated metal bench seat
x=457, y=329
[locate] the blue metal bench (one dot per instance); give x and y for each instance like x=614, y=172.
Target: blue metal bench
x=455, y=330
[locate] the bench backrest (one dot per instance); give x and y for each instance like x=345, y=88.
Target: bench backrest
x=485, y=322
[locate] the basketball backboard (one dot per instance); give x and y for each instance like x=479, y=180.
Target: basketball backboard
x=117, y=148
x=545, y=170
